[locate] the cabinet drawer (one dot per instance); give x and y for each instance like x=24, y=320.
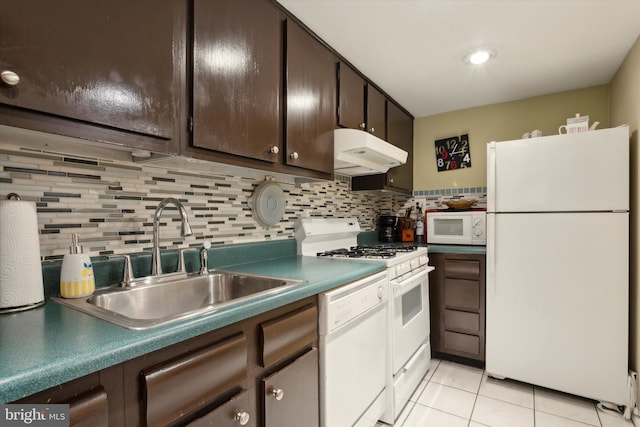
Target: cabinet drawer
x=462, y=321
x=285, y=335
x=463, y=294
x=225, y=415
x=90, y=409
x=454, y=341
x=182, y=385
x=462, y=269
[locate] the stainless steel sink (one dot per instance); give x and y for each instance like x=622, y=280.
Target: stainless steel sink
x=151, y=305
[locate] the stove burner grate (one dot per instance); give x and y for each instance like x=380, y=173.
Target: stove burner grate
x=367, y=251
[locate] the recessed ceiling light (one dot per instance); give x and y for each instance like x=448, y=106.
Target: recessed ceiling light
x=479, y=56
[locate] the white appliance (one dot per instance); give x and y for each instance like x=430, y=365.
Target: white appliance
x=407, y=355
x=457, y=227
x=357, y=152
x=557, y=306
x=351, y=369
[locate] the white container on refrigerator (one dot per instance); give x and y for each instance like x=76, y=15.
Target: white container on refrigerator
x=557, y=262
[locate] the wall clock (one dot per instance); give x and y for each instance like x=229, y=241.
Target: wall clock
x=453, y=153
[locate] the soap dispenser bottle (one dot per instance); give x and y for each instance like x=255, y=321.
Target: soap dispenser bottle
x=76, y=277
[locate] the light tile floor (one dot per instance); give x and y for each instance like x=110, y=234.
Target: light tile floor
x=453, y=395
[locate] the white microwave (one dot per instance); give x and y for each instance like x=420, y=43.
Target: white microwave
x=457, y=228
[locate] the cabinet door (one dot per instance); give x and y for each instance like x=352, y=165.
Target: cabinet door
x=351, y=99
x=291, y=394
x=310, y=101
x=400, y=134
x=115, y=65
x=376, y=117
x=237, y=83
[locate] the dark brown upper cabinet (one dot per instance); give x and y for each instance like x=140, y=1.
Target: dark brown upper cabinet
x=351, y=98
x=400, y=134
x=237, y=78
x=310, y=101
x=376, y=117
x=105, y=71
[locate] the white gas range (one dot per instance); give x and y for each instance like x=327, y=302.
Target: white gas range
x=405, y=338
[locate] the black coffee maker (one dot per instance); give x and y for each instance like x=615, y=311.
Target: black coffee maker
x=386, y=225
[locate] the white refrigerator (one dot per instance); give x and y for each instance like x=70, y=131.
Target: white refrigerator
x=557, y=302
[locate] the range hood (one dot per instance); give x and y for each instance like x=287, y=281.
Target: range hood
x=357, y=152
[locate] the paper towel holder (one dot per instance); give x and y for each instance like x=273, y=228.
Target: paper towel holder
x=30, y=304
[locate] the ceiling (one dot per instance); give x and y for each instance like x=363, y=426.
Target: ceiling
x=413, y=49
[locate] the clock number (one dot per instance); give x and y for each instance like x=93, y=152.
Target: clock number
x=440, y=163
x=453, y=165
x=442, y=152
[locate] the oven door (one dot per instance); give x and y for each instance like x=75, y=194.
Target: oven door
x=449, y=228
x=410, y=314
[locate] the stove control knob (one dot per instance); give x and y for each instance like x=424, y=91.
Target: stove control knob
x=424, y=259
x=477, y=222
x=477, y=232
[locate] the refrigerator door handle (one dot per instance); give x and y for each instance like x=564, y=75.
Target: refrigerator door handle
x=491, y=252
x=491, y=176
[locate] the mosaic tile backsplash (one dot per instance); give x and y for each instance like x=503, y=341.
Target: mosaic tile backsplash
x=110, y=204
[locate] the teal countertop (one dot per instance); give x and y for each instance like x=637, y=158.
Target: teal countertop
x=52, y=344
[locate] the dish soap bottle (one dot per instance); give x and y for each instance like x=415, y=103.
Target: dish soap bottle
x=76, y=277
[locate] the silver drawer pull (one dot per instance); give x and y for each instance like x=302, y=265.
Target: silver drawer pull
x=241, y=416
x=9, y=77
x=278, y=393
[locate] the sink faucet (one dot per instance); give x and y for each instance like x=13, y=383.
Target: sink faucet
x=185, y=231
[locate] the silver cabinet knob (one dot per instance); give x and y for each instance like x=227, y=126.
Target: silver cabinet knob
x=241, y=416
x=390, y=180
x=278, y=393
x=362, y=125
x=294, y=155
x=274, y=150
x=372, y=130
x=9, y=77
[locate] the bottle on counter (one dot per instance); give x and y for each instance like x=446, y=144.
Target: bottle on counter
x=76, y=277
x=419, y=224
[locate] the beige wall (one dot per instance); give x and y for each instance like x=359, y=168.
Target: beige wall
x=497, y=122
x=625, y=109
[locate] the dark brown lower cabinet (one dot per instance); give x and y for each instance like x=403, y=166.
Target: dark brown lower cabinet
x=457, y=295
x=291, y=394
x=261, y=371
x=95, y=400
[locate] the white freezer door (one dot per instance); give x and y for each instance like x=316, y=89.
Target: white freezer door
x=583, y=172
x=557, y=301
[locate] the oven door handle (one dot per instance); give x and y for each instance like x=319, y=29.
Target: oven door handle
x=407, y=366
x=404, y=285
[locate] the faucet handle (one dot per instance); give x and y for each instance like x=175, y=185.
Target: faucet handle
x=181, y=266
x=204, y=256
x=127, y=275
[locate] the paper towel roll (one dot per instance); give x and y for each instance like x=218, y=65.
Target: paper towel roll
x=20, y=269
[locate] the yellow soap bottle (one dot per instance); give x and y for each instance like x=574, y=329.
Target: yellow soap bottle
x=76, y=277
